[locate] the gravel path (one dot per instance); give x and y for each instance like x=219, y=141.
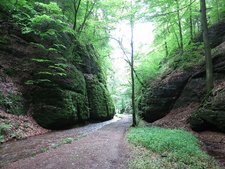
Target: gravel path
x=104, y=148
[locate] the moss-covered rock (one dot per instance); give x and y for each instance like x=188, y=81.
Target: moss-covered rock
x=57, y=108
x=100, y=102
x=59, y=100
x=54, y=108
x=49, y=72
x=211, y=115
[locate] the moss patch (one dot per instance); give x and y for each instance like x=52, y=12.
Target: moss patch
x=54, y=108
x=100, y=102
x=211, y=115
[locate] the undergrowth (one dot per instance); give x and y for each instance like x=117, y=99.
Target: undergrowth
x=12, y=103
x=193, y=55
x=3, y=127
x=172, y=149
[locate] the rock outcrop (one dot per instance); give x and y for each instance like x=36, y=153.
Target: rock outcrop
x=211, y=114
x=182, y=88
x=58, y=79
x=161, y=95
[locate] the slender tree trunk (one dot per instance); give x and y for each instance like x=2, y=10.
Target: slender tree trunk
x=199, y=24
x=191, y=22
x=132, y=70
x=208, y=57
x=166, y=45
x=217, y=11
x=180, y=27
x=177, y=38
x=76, y=6
x=166, y=49
x=194, y=27
x=75, y=15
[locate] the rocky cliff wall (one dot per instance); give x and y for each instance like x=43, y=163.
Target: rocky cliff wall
x=55, y=78
x=186, y=88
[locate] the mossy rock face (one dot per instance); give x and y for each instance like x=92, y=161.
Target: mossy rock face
x=100, y=102
x=211, y=115
x=74, y=80
x=57, y=108
x=54, y=108
x=60, y=102
x=49, y=72
x=81, y=103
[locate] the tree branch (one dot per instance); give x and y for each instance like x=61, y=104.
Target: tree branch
x=86, y=16
x=172, y=12
x=127, y=59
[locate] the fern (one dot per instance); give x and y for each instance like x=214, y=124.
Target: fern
x=62, y=65
x=38, y=45
x=29, y=82
x=40, y=19
x=51, y=8
x=45, y=73
x=57, y=68
x=60, y=46
x=39, y=60
x=61, y=74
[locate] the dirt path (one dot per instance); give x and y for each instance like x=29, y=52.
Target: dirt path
x=104, y=148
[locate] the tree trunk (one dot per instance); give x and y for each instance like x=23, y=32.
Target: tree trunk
x=166, y=49
x=199, y=24
x=176, y=36
x=132, y=70
x=194, y=23
x=208, y=57
x=76, y=6
x=191, y=22
x=217, y=11
x=180, y=27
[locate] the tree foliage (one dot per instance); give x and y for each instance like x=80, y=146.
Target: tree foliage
x=176, y=23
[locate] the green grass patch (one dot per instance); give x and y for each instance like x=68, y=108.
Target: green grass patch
x=176, y=148
x=67, y=140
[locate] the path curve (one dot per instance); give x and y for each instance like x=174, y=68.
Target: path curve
x=105, y=148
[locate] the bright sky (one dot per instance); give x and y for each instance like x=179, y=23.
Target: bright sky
x=143, y=37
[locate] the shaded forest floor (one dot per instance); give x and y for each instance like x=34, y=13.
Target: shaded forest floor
x=20, y=127
x=100, y=145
